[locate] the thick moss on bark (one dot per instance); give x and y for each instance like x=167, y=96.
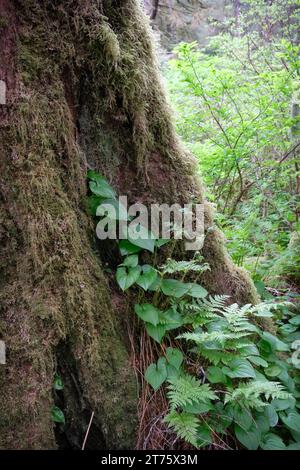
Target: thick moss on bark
x=83, y=89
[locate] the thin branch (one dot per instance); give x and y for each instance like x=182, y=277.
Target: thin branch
x=289, y=152
x=87, y=431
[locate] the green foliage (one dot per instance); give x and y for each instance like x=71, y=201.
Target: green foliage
x=58, y=383
x=234, y=104
x=148, y=313
x=172, y=266
x=99, y=186
x=57, y=415
x=126, y=277
x=185, y=425
x=245, y=386
x=174, y=357
x=187, y=390
x=156, y=374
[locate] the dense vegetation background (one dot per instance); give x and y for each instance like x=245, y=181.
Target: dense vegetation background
x=236, y=95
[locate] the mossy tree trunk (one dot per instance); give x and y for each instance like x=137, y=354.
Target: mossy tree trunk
x=82, y=89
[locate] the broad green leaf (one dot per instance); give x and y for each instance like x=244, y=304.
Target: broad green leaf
x=171, y=319
x=130, y=261
x=287, y=329
x=172, y=371
x=148, y=313
x=161, y=241
x=204, y=436
x=292, y=420
x=102, y=188
x=272, y=442
x=215, y=375
x=155, y=286
x=239, y=368
x=143, y=240
x=128, y=248
x=296, y=435
x=197, y=291
x=156, y=332
x=287, y=380
x=133, y=275
x=271, y=414
x=250, y=439
x=273, y=371
x=95, y=176
x=293, y=446
x=93, y=203
x=57, y=415
x=263, y=313
x=147, y=277
x=198, y=408
x=174, y=357
x=249, y=350
x=283, y=404
x=260, y=377
x=121, y=277
x=295, y=320
x=262, y=423
x=258, y=361
x=174, y=288
x=156, y=374
x=127, y=277
x=243, y=417
x=275, y=343
x=58, y=383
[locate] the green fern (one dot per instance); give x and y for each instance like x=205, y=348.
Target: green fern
x=201, y=312
x=249, y=394
x=265, y=309
x=217, y=336
x=215, y=302
x=187, y=390
x=172, y=266
x=227, y=326
x=215, y=356
x=185, y=425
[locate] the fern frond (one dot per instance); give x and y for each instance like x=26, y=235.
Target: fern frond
x=215, y=356
x=266, y=309
x=250, y=394
x=235, y=314
x=214, y=302
x=218, y=336
x=187, y=390
x=173, y=266
x=185, y=425
x=196, y=315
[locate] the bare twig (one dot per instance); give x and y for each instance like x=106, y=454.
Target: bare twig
x=87, y=431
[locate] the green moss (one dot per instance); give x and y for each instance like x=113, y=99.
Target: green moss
x=3, y=22
x=92, y=63
x=62, y=293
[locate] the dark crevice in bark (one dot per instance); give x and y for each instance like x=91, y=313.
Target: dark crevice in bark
x=76, y=407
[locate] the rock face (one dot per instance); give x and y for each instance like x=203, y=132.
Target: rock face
x=185, y=20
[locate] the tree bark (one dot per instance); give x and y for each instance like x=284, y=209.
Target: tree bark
x=83, y=89
x=154, y=9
